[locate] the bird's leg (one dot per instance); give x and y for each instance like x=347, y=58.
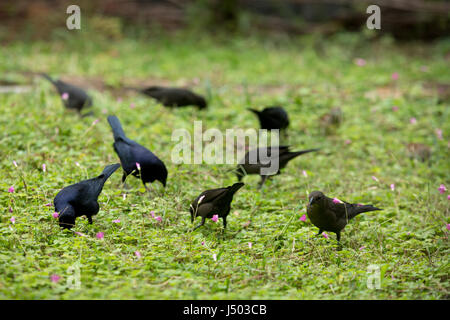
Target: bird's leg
x=124, y=177
x=320, y=232
x=224, y=223
x=90, y=219
x=263, y=179
x=201, y=223
x=338, y=236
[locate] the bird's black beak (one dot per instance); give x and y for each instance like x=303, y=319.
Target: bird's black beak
x=311, y=200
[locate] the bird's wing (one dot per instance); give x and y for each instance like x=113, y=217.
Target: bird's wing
x=343, y=210
x=126, y=155
x=211, y=195
x=70, y=193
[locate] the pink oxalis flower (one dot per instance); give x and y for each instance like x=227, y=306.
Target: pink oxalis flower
x=215, y=218
x=100, y=235
x=158, y=218
x=442, y=189
x=392, y=187
x=11, y=189
x=15, y=163
x=347, y=141
x=360, y=62
x=325, y=235
x=152, y=213
x=395, y=108
x=10, y=210
x=137, y=254
x=413, y=120
x=65, y=96
x=95, y=122
x=55, y=278
x=116, y=221
x=138, y=166
x=13, y=220
x=55, y=215
x=394, y=76
x=48, y=204
x=375, y=178
x=439, y=134
x=448, y=226
x=250, y=245
x=336, y=200
x=203, y=243
x=215, y=257
x=362, y=248
x=303, y=217
x=304, y=173
x=132, y=105
x=448, y=197
x=44, y=167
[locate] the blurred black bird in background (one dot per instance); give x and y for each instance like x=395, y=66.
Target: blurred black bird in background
x=257, y=159
x=81, y=198
x=132, y=154
x=175, y=97
x=212, y=202
x=332, y=214
x=72, y=96
x=274, y=117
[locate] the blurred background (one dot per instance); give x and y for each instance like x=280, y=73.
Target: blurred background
x=402, y=19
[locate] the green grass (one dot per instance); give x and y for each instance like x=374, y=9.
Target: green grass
x=408, y=240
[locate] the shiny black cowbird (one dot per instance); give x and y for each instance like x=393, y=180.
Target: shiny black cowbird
x=266, y=161
x=272, y=118
x=212, y=202
x=132, y=154
x=81, y=198
x=332, y=214
x=175, y=97
x=72, y=96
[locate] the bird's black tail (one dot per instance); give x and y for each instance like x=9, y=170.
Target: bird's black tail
x=292, y=155
x=358, y=209
x=109, y=170
x=116, y=127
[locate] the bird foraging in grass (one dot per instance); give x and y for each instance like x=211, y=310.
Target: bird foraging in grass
x=333, y=214
x=266, y=161
x=81, y=198
x=72, y=96
x=175, y=97
x=214, y=202
x=330, y=121
x=274, y=117
x=136, y=159
x=419, y=151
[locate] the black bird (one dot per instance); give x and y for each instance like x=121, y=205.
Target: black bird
x=81, y=198
x=272, y=118
x=331, y=214
x=214, y=201
x=130, y=153
x=263, y=158
x=76, y=97
x=175, y=97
